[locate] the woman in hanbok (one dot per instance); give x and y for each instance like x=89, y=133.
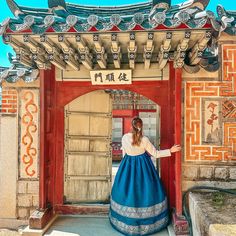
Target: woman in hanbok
x=138, y=202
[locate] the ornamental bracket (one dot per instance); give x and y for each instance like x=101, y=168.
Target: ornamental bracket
x=180, y=53
x=163, y=55
x=115, y=49
x=22, y=52
x=53, y=52
x=148, y=49
x=100, y=51
x=70, y=56
x=38, y=53
x=132, y=49
x=198, y=49
x=85, y=55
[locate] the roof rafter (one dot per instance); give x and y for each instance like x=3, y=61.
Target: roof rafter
x=85, y=55
x=38, y=53
x=132, y=49
x=163, y=55
x=148, y=49
x=70, y=55
x=115, y=49
x=22, y=52
x=180, y=53
x=53, y=52
x=100, y=51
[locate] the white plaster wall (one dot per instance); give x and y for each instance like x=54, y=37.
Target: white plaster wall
x=8, y=166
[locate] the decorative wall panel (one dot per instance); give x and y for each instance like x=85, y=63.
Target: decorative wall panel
x=205, y=128
x=210, y=114
x=229, y=109
x=29, y=138
x=211, y=123
x=228, y=70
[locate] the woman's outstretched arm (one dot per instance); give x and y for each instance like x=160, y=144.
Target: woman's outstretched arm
x=150, y=148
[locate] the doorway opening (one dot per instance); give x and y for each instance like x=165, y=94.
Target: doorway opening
x=125, y=106
x=94, y=125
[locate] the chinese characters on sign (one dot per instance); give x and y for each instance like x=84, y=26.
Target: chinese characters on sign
x=107, y=77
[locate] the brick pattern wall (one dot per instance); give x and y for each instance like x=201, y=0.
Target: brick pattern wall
x=228, y=52
x=210, y=112
x=199, y=142
x=9, y=101
x=210, y=127
x=27, y=198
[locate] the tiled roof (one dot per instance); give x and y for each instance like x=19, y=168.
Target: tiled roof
x=17, y=71
x=62, y=17
x=65, y=17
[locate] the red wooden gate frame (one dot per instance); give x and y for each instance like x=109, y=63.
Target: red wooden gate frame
x=54, y=95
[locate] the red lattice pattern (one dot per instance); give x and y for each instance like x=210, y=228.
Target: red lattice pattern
x=228, y=70
x=194, y=150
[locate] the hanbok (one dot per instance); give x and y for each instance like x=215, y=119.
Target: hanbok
x=138, y=202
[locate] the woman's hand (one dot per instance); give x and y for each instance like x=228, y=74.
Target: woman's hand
x=175, y=148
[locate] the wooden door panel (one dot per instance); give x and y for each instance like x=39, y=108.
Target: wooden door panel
x=88, y=190
x=100, y=103
x=78, y=145
x=78, y=124
x=86, y=145
x=87, y=165
x=100, y=125
x=81, y=104
x=91, y=102
x=99, y=145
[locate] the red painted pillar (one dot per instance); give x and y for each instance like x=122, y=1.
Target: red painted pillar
x=178, y=114
x=42, y=169
x=46, y=164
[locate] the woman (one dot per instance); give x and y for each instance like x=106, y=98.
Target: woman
x=138, y=202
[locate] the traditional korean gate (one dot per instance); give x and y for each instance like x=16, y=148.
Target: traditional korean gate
x=88, y=163
x=59, y=141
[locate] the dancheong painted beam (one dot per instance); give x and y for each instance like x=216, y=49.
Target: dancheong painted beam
x=69, y=35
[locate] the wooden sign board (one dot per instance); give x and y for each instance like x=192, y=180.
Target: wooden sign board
x=106, y=77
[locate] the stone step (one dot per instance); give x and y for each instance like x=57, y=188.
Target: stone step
x=80, y=225
x=86, y=225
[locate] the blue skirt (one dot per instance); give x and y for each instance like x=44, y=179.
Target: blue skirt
x=138, y=202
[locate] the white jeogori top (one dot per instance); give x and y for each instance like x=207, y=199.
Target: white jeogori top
x=145, y=145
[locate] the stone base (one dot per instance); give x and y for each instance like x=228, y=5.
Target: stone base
x=40, y=218
x=180, y=224
x=213, y=214
x=38, y=232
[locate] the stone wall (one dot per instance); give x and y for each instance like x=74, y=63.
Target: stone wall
x=209, y=122
x=27, y=198
x=216, y=175
x=19, y=155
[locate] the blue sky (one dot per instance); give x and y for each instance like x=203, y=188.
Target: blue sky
x=5, y=12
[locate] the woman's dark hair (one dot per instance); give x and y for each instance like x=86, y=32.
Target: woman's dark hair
x=137, y=131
